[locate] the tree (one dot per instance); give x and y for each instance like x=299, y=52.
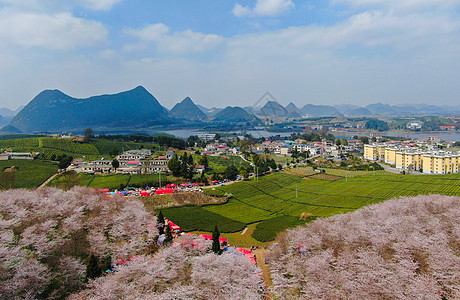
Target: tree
x=215, y=241
x=231, y=172
x=364, y=140
x=204, y=162
x=174, y=166
x=161, y=223
x=115, y=164
x=65, y=162
x=88, y=135
x=168, y=235
x=93, y=270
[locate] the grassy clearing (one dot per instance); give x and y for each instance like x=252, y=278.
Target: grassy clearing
x=195, y=218
x=219, y=163
x=29, y=174
x=266, y=230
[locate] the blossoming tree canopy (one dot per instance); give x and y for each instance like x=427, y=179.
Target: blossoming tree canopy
x=402, y=248
x=47, y=236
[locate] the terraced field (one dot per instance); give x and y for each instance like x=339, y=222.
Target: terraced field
x=274, y=196
x=28, y=174
x=49, y=146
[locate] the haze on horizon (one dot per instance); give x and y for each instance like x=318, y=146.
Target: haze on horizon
x=230, y=52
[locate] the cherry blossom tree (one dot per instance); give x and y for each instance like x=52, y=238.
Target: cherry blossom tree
x=402, y=248
x=47, y=234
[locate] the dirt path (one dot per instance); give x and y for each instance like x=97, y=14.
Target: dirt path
x=48, y=180
x=260, y=258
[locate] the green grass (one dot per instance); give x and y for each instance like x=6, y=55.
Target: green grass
x=195, y=218
x=30, y=173
x=49, y=146
x=113, y=181
x=266, y=230
x=275, y=195
x=218, y=164
x=109, y=181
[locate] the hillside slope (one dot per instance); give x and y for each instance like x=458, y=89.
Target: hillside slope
x=53, y=110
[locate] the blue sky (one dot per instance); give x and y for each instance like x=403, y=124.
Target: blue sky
x=231, y=52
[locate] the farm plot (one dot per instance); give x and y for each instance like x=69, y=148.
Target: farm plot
x=28, y=173
x=195, y=218
x=281, y=194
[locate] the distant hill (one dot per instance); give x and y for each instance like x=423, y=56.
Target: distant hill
x=273, y=108
x=252, y=110
x=236, y=115
x=3, y=122
x=8, y=129
x=292, y=110
x=319, y=110
x=52, y=110
x=6, y=112
x=187, y=110
x=353, y=110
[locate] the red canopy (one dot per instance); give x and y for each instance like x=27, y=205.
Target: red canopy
x=168, y=191
x=159, y=192
x=205, y=236
x=223, y=240
x=103, y=190
x=244, y=251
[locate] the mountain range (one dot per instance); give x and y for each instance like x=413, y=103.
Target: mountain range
x=187, y=110
x=54, y=111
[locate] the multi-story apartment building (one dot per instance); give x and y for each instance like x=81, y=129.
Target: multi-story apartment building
x=374, y=152
x=410, y=160
x=414, y=159
x=441, y=162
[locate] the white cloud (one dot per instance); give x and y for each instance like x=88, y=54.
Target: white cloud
x=60, y=31
x=107, y=54
x=99, y=4
x=177, y=42
x=60, y=5
x=264, y=8
x=401, y=5
x=241, y=11
x=154, y=32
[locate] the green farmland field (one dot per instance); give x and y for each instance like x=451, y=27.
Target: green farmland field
x=49, y=146
x=274, y=196
x=29, y=174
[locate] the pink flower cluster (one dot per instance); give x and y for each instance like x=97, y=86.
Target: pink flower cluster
x=407, y=248
x=46, y=233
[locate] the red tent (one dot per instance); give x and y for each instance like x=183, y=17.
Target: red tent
x=223, y=240
x=168, y=186
x=173, y=185
x=205, y=236
x=145, y=194
x=244, y=251
x=173, y=226
x=103, y=190
x=159, y=192
x=168, y=191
